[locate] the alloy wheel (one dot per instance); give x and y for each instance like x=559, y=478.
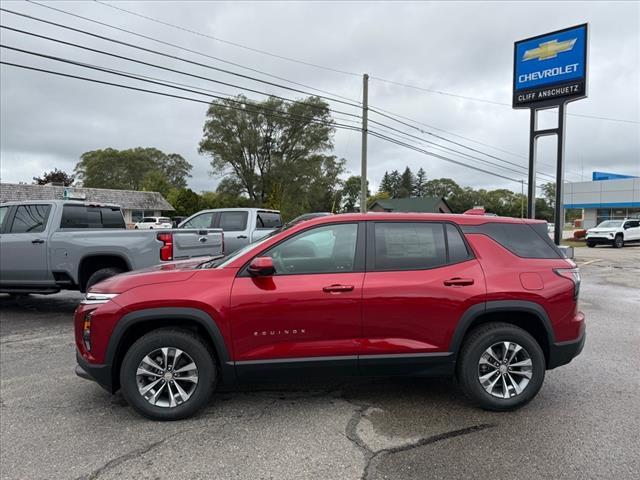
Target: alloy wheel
x=505, y=369
x=167, y=377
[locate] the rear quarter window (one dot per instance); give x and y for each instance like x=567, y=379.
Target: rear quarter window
x=522, y=239
x=268, y=220
x=82, y=216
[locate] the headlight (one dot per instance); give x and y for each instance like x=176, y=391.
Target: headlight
x=97, y=298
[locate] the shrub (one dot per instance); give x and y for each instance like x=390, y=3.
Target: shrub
x=579, y=234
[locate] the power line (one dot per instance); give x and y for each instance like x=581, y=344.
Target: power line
x=180, y=72
x=174, y=57
x=179, y=97
x=161, y=83
x=441, y=157
x=378, y=110
x=493, y=102
x=451, y=149
x=393, y=82
x=180, y=47
x=228, y=42
x=455, y=143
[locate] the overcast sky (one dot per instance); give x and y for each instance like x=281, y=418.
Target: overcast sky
x=462, y=48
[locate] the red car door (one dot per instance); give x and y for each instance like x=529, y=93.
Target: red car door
x=306, y=318
x=420, y=279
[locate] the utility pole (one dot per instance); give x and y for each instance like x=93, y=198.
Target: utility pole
x=521, y=198
x=365, y=118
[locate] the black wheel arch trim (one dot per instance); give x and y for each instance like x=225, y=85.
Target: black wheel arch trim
x=496, y=306
x=198, y=316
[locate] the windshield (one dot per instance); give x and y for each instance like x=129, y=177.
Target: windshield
x=611, y=224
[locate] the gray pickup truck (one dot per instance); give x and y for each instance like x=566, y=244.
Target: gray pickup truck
x=47, y=246
x=241, y=226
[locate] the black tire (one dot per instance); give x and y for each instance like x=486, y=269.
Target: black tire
x=100, y=275
x=618, y=242
x=591, y=244
x=475, y=344
x=190, y=344
x=136, y=228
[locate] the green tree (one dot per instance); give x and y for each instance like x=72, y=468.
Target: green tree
x=419, y=184
x=185, y=201
x=275, y=151
x=127, y=169
x=407, y=184
x=351, y=194
x=441, y=187
x=156, y=181
x=549, y=194
x=386, y=185
x=55, y=176
x=394, y=182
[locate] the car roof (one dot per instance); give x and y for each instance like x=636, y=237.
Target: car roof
x=461, y=219
x=61, y=202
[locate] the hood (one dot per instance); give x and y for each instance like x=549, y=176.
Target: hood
x=602, y=230
x=177, y=271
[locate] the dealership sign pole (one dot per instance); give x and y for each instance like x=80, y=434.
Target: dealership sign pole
x=550, y=71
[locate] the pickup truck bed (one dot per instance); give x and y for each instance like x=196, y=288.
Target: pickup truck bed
x=38, y=255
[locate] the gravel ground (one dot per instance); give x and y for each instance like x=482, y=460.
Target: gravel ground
x=585, y=422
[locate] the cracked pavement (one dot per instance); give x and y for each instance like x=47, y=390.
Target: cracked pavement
x=584, y=423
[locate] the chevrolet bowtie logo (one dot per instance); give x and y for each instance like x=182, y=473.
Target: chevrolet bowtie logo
x=548, y=50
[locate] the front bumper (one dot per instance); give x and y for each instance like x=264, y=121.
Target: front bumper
x=101, y=374
x=600, y=240
x=562, y=353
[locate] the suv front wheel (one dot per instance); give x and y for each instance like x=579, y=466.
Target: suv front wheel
x=501, y=366
x=168, y=374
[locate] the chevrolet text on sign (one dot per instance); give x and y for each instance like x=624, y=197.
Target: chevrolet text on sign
x=550, y=67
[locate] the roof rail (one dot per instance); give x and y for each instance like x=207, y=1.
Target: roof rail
x=475, y=211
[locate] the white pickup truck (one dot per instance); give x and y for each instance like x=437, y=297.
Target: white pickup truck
x=47, y=246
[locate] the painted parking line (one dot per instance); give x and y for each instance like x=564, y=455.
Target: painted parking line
x=592, y=261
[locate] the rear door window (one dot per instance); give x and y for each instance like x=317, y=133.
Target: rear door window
x=233, y=221
x=30, y=219
x=408, y=245
x=457, y=248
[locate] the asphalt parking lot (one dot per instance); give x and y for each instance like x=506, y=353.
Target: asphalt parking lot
x=585, y=423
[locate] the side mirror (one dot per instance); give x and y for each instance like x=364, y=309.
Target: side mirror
x=261, y=267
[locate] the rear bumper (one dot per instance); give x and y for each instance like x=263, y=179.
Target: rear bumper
x=101, y=374
x=562, y=353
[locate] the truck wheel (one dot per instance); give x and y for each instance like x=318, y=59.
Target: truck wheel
x=168, y=374
x=618, y=242
x=501, y=367
x=100, y=275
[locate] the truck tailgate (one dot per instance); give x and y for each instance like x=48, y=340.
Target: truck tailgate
x=189, y=242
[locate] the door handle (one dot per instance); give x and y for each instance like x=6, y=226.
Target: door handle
x=338, y=288
x=37, y=240
x=242, y=237
x=458, y=282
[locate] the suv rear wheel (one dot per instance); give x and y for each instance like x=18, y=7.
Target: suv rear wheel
x=168, y=374
x=501, y=367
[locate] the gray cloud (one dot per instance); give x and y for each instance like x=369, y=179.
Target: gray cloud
x=466, y=48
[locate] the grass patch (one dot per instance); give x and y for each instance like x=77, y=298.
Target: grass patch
x=573, y=243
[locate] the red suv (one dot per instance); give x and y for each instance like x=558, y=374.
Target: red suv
x=486, y=299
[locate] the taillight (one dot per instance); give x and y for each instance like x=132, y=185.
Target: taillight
x=572, y=274
x=166, y=250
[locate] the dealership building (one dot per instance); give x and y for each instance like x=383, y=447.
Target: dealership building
x=607, y=196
